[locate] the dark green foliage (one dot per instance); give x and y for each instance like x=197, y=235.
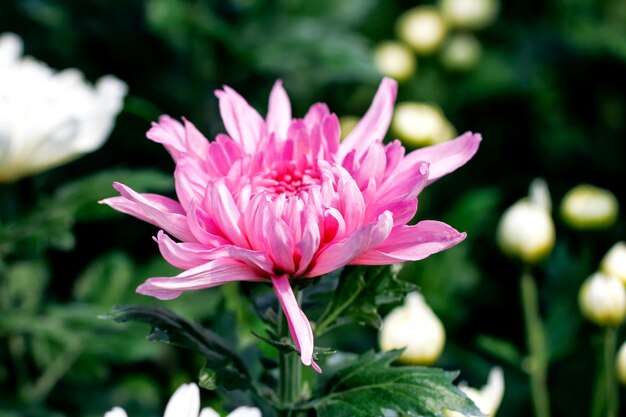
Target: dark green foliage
x=370, y=385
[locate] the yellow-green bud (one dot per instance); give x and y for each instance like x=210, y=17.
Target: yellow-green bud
x=421, y=124
x=526, y=231
x=461, y=52
x=422, y=28
x=488, y=398
x=395, y=60
x=469, y=14
x=621, y=364
x=614, y=262
x=588, y=207
x=416, y=328
x=602, y=300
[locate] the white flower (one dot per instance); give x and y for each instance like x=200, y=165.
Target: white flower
x=421, y=124
x=395, y=59
x=48, y=118
x=488, y=398
x=526, y=229
x=422, y=28
x=614, y=262
x=602, y=300
x=461, y=52
x=415, y=327
x=587, y=207
x=186, y=403
x=469, y=14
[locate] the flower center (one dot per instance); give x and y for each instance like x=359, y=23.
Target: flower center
x=288, y=177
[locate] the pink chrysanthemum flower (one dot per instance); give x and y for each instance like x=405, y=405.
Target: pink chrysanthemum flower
x=281, y=198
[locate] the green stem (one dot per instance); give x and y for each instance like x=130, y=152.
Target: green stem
x=290, y=371
x=536, y=340
x=606, y=400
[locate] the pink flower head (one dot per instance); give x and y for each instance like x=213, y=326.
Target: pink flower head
x=281, y=198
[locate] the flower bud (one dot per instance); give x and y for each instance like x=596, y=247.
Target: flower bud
x=488, y=398
x=396, y=60
x=588, y=207
x=420, y=124
x=621, y=364
x=415, y=327
x=526, y=229
x=614, y=262
x=602, y=300
x=469, y=14
x=422, y=28
x=461, y=52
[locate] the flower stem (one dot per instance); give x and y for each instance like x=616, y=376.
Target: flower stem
x=290, y=371
x=606, y=401
x=536, y=340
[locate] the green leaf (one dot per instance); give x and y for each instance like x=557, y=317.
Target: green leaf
x=370, y=385
x=360, y=292
x=82, y=196
x=106, y=280
x=24, y=285
x=222, y=362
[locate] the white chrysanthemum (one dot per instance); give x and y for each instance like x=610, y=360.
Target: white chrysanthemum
x=185, y=402
x=602, y=300
x=488, y=398
x=48, y=118
x=416, y=329
x=614, y=262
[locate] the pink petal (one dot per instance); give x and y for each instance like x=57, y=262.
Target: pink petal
x=279, y=111
x=299, y=325
x=154, y=209
x=446, y=157
x=310, y=242
x=351, y=203
x=210, y=274
x=336, y=255
x=242, y=122
x=170, y=133
x=196, y=143
x=186, y=255
x=412, y=243
x=374, y=124
x=226, y=214
x=204, y=228
x=280, y=244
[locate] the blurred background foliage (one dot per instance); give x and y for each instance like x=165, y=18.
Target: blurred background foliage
x=547, y=92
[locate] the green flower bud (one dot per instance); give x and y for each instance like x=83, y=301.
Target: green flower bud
x=461, y=52
x=421, y=124
x=416, y=328
x=614, y=262
x=621, y=364
x=602, y=300
x=395, y=60
x=488, y=398
x=422, y=28
x=526, y=229
x=469, y=14
x=588, y=207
